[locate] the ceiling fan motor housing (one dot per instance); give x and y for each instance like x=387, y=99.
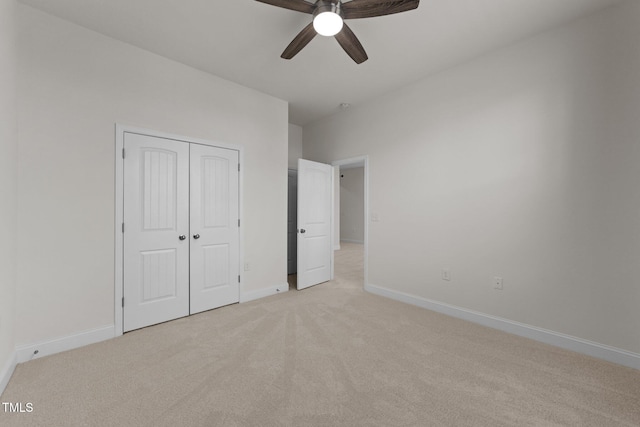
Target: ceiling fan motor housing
x=328, y=6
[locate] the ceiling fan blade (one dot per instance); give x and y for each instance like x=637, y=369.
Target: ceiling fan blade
x=369, y=8
x=351, y=45
x=301, y=40
x=297, y=5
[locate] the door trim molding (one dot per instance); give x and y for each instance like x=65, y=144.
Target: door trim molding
x=362, y=160
x=120, y=131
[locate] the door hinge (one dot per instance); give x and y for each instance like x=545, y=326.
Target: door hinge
x=238, y=167
x=123, y=227
x=238, y=222
x=122, y=302
x=238, y=278
x=123, y=153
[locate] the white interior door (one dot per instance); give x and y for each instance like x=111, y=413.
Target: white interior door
x=315, y=193
x=215, y=263
x=156, y=221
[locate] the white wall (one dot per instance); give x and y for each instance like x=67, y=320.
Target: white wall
x=295, y=145
x=8, y=194
x=74, y=85
x=352, y=205
x=523, y=164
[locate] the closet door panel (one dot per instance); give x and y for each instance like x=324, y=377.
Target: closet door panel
x=156, y=215
x=214, y=227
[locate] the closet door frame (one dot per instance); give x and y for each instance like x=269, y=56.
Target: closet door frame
x=121, y=130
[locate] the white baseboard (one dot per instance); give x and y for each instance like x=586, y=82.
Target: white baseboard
x=263, y=293
x=27, y=352
x=7, y=371
x=568, y=342
x=336, y=247
x=360, y=242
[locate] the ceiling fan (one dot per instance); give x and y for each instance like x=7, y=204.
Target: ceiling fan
x=328, y=20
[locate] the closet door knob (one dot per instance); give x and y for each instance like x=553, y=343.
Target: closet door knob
x=302, y=230
x=196, y=236
x=182, y=237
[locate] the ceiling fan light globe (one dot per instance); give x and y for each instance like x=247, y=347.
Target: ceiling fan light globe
x=327, y=23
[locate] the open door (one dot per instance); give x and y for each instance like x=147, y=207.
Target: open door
x=315, y=247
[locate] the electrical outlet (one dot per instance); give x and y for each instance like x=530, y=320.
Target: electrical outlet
x=247, y=266
x=497, y=283
x=446, y=274
x=375, y=217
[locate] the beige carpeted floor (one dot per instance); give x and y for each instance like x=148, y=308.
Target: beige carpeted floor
x=331, y=355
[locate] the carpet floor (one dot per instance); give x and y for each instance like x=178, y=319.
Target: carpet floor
x=330, y=355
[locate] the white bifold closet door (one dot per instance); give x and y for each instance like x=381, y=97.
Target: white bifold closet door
x=181, y=239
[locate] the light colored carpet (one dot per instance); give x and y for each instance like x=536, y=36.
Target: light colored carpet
x=331, y=355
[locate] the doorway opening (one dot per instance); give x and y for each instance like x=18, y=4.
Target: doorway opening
x=350, y=250
x=292, y=225
x=351, y=223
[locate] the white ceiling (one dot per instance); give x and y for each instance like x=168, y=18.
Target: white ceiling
x=241, y=41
